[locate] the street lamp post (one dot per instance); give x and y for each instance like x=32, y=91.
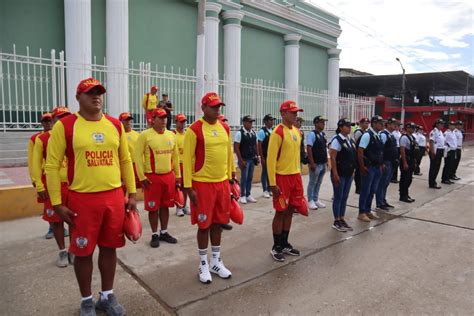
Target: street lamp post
x=402, y=116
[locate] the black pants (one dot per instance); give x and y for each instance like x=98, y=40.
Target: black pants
x=395, y=166
x=435, y=164
x=449, y=163
x=421, y=153
x=357, y=179
x=168, y=121
x=406, y=177
x=456, y=163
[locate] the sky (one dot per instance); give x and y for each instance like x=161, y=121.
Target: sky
x=427, y=36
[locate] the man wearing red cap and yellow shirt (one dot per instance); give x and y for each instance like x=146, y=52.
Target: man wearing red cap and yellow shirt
x=150, y=102
x=180, y=121
x=39, y=158
x=284, y=176
x=132, y=136
x=96, y=149
x=156, y=157
x=208, y=165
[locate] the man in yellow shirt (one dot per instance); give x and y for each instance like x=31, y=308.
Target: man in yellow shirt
x=180, y=122
x=150, y=102
x=39, y=158
x=132, y=136
x=156, y=157
x=284, y=176
x=208, y=167
x=96, y=149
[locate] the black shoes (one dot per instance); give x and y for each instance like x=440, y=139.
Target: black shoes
x=277, y=254
x=289, y=250
x=393, y=181
x=409, y=197
x=418, y=174
x=435, y=186
x=343, y=223
x=455, y=178
x=382, y=207
x=388, y=205
x=447, y=182
x=405, y=199
x=168, y=238
x=226, y=226
x=155, y=241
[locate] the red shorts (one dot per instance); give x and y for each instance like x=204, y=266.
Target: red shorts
x=149, y=117
x=160, y=193
x=213, y=204
x=292, y=188
x=99, y=221
x=48, y=213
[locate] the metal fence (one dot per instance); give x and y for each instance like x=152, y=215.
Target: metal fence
x=32, y=85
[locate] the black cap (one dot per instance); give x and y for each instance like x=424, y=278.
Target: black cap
x=268, y=117
x=164, y=95
x=319, y=118
x=391, y=120
x=410, y=125
x=344, y=122
x=248, y=118
x=376, y=118
x=364, y=119
x=459, y=122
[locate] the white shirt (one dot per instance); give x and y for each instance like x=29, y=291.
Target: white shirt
x=437, y=137
x=420, y=139
x=451, y=140
x=397, y=135
x=459, y=137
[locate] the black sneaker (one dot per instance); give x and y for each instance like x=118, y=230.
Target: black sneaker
x=405, y=199
x=409, y=197
x=168, y=238
x=455, y=178
x=344, y=224
x=155, y=241
x=382, y=207
x=446, y=182
x=277, y=254
x=339, y=227
x=394, y=181
x=388, y=205
x=289, y=250
x=110, y=306
x=226, y=226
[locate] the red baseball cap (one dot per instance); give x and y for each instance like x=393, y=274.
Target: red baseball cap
x=125, y=116
x=212, y=99
x=364, y=119
x=46, y=116
x=159, y=113
x=154, y=88
x=290, y=106
x=60, y=111
x=180, y=117
x=87, y=84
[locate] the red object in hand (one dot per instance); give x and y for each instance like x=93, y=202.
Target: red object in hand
x=132, y=227
x=303, y=207
x=178, y=197
x=235, y=188
x=236, y=213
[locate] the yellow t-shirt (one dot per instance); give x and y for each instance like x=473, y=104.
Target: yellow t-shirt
x=132, y=137
x=97, y=153
x=31, y=146
x=152, y=101
x=156, y=153
x=208, y=153
x=180, y=143
x=283, y=155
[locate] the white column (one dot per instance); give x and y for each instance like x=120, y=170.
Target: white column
x=77, y=22
x=211, y=30
x=292, y=64
x=117, y=56
x=232, y=45
x=333, y=87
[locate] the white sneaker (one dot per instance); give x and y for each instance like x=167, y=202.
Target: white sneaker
x=186, y=210
x=62, y=260
x=243, y=200
x=320, y=204
x=179, y=212
x=266, y=194
x=312, y=205
x=251, y=199
x=204, y=274
x=218, y=268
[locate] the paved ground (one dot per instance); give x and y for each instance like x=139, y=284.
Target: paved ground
x=418, y=259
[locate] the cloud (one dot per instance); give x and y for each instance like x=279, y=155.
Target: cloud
x=425, y=35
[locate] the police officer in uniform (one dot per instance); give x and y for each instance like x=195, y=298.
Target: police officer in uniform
x=436, y=153
x=421, y=140
x=316, y=148
x=397, y=134
x=459, y=132
x=408, y=154
x=263, y=136
x=370, y=159
x=451, y=144
x=358, y=132
x=390, y=154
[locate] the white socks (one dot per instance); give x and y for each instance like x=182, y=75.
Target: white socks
x=86, y=298
x=105, y=294
x=163, y=231
x=203, y=255
x=216, y=254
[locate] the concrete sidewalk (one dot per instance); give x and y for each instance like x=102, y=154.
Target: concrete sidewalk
x=418, y=259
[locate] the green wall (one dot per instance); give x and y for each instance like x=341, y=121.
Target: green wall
x=163, y=32
x=313, y=66
x=98, y=30
x=263, y=54
x=34, y=23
